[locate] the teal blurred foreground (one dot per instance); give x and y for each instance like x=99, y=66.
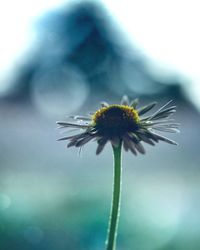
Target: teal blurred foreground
x=53, y=198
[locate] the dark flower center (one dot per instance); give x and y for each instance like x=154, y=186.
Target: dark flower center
x=116, y=120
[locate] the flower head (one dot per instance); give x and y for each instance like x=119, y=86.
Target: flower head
x=123, y=123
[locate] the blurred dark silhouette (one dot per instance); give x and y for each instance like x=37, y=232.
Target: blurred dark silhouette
x=82, y=39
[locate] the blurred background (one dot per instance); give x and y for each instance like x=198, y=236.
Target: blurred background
x=61, y=58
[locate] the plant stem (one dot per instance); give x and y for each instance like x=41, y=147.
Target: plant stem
x=115, y=207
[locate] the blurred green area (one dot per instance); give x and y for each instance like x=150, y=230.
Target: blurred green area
x=52, y=198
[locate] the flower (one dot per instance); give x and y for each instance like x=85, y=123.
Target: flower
x=123, y=123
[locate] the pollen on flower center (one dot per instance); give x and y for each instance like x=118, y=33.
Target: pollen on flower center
x=116, y=119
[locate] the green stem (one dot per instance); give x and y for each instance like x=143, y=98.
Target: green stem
x=115, y=207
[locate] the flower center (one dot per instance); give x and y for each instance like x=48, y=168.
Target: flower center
x=116, y=119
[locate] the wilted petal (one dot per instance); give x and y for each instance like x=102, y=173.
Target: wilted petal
x=125, y=144
x=79, y=117
x=125, y=100
x=146, y=108
x=133, y=137
x=166, y=129
x=77, y=137
x=65, y=138
x=163, y=138
x=136, y=140
x=160, y=109
x=128, y=144
x=134, y=103
x=140, y=147
x=104, y=104
x=151, y=136
x=132, y=148
x=145, y=138
x=165, y=123
x=101, y=144
x=73, y=125
x=83, y=141
x=163, y=114
x=72, y=143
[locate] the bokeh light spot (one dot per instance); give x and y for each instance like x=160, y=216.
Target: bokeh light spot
x=5, y=201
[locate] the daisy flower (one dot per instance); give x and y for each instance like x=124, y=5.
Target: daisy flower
x=123, y=123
